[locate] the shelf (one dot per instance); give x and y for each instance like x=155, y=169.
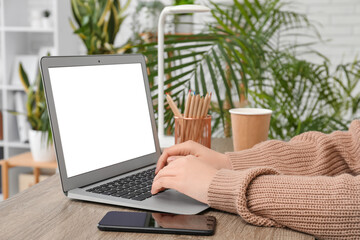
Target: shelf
x=21, y=36
x=27, y=29
x=18, y=145
x=12, y=87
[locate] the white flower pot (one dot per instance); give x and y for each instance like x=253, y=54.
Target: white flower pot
x=40, y=150
x=46, y=23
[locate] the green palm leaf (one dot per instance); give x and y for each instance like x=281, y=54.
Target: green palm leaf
x=242, y=54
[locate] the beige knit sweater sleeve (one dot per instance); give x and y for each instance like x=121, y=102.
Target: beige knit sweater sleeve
x=310, y=184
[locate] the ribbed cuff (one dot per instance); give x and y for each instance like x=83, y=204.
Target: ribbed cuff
x=228, y=192
x=248, y=158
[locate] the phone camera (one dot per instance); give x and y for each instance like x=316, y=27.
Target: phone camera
x=98, y=61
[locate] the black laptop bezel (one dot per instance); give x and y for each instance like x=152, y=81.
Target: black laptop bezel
x=94, y=176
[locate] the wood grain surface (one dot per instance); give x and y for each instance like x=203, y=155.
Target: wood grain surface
x=43, y=212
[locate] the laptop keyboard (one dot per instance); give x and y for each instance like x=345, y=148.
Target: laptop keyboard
x=136, y=187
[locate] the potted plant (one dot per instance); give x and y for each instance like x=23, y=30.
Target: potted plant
x=46, y=20
x=98, y=23
x=40, y=135
x=244, y=60
x=184, y=22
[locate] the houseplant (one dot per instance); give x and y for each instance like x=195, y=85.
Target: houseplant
x=46, y=18
x=242, y=54
x=40, y=135
x=98, y=23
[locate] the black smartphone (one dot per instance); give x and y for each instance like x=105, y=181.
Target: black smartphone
x=158, y=223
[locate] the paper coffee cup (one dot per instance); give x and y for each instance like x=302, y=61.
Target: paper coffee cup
x=250, y=126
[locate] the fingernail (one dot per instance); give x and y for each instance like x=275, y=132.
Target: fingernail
x=171, y=158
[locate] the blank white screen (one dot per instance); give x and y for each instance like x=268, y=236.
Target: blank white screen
x=103, y=115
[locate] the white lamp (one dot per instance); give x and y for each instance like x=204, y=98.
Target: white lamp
x=168, y=141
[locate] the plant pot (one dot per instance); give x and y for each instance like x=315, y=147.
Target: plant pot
x=184, y=23
x=46, y=23
x=40, y=150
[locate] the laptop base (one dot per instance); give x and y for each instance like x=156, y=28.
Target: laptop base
x=169, y=201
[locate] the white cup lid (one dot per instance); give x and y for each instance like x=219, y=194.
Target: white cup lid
x=250, y=111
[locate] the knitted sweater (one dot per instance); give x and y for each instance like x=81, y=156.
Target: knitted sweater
x=310, y=184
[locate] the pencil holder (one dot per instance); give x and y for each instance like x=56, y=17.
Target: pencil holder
x=196, y=129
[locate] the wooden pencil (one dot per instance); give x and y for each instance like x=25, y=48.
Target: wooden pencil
x=208, y=105
x=197, y=123
x=191, y=109
x=187, y=105
x=173, y=106
x=176, y=113
x=186, y=114
x=196, y=105
x=189, y=115
x=200, y=106
x=203, y=116
x=194, y=113
x=203, y=112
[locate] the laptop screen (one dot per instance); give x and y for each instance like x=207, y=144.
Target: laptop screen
x=103, y=115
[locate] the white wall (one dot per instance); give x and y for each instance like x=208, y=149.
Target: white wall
x=338, y=22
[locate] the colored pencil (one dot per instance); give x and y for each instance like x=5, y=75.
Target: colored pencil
x=187, y=105
x=173, y=106
x=192, y=122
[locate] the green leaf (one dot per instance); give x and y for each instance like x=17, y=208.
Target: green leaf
x=177, y=57
x=232, y=72
x=23, y=77
x=216, y=88
x=202, y=79
x=172, y=79
x=172, y=69
x=223, y=78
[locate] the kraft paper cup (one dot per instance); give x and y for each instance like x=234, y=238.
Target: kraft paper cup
x=250, y=126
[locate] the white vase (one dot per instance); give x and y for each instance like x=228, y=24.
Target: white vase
x=40, y=150
x=46, y=23
x=184, y=23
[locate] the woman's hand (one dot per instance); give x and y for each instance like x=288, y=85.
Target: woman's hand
x=188, y=175
x=215, y=159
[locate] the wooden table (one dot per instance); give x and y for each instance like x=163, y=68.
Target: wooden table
x=43, y=212
x=22, y=160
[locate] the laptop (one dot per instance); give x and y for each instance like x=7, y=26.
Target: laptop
x=104, y=132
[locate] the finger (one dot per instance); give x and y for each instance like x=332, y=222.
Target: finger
x=167, y=171
x=156, y=215
x=181, y=149
x=179, y=160
x=163, y=182
x=161, y=162
x=173, y=158
x=159, y=190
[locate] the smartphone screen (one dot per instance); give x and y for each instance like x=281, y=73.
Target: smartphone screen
x=158, y=223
